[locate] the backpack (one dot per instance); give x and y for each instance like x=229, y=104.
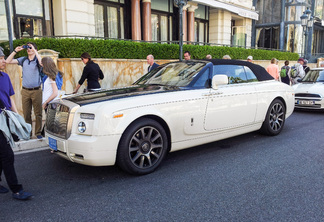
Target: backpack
x=283, y=72
x=293, y=72
x=40, y=68
x=58, y=80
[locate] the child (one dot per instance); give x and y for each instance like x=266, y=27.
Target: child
x=50, y=89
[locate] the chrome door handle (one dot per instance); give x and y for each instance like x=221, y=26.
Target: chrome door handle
x=216, y=93
x=212, y=94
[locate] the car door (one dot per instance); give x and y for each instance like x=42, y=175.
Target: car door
x=233, y=105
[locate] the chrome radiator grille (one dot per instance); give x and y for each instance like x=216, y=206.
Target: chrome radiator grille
x=57, y=120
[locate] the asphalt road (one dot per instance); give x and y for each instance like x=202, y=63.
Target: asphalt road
x=246, y=178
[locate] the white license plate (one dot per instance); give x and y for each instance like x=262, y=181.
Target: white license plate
x=305, y=102
x=52, y=143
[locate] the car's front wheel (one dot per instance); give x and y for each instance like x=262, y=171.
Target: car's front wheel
x=275, y=118
x=142, y=147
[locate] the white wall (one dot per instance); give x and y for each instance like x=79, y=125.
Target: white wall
x=219, y=26
x=74, y=17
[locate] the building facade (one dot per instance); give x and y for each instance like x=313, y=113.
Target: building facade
x=279, y=26
x=221, y=22
x=270, y=24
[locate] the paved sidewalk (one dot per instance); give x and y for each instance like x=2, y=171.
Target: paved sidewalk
x=32, y=144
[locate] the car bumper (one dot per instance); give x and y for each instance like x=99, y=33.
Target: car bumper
x=86, y=150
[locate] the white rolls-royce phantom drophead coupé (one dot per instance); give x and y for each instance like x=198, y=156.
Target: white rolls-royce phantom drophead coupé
x=175, y=106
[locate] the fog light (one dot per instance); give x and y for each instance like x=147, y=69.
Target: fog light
x=82, y=127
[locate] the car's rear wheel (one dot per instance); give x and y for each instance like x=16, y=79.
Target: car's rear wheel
x=275, y=118
x=142, y=147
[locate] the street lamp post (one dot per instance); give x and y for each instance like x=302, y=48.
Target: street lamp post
x=180, y=4
x=307, y=24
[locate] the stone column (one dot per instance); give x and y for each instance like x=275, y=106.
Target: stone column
x=147, y=28
x=191, y=22
x=136, y=20
x=184, y=23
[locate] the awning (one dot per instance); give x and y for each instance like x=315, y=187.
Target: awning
x=229, y=7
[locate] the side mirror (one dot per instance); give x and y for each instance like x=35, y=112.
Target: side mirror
x=219, y=80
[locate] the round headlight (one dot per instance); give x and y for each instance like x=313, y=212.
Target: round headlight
x=82, y=127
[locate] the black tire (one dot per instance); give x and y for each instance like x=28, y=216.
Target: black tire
x=142, y=147
x=275, y=119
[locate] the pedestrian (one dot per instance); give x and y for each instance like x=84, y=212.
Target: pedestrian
x=273, y=69
x=305, y=67
x=286, y=68
x=91, y=72
x=187, y=55
x=50, y=89
x=209, y=56
x=150, y=61
x=31, y=93
x=58, y=79
x=250, y=58
x=226, y=57
x=298, y=72
x=6, y=153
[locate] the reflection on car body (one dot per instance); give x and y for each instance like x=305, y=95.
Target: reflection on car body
x=176, y=106
x=310, y=90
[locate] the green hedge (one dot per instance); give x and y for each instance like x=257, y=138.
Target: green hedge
x=119, y=49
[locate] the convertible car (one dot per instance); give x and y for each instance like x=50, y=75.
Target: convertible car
x=175, y=106
x=310, y=91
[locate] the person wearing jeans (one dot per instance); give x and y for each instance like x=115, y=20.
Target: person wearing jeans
x=6, y=152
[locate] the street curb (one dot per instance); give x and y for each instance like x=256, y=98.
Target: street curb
x=29, y=145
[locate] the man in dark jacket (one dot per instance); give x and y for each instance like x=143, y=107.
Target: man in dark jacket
x=150, y=61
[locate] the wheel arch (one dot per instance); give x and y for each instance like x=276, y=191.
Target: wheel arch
x=282, y=100
x=157, y=119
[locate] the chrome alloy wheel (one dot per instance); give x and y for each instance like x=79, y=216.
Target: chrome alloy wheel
x=277, y=117
x=145, y=147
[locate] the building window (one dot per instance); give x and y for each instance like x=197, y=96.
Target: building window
x=238, y=33
x=29, y=27
x=99, y=20
x=268, y=37
x=109, y=19
x=200, y=31
x=294, y=38
x=319, y=12
x=201, y=24
x=3, y=22
x=29, y=18
x=161, y=20
x=160, y=24
x=269, y=11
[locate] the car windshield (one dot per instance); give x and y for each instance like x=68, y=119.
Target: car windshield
x=314, y=76
x=172, y=74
